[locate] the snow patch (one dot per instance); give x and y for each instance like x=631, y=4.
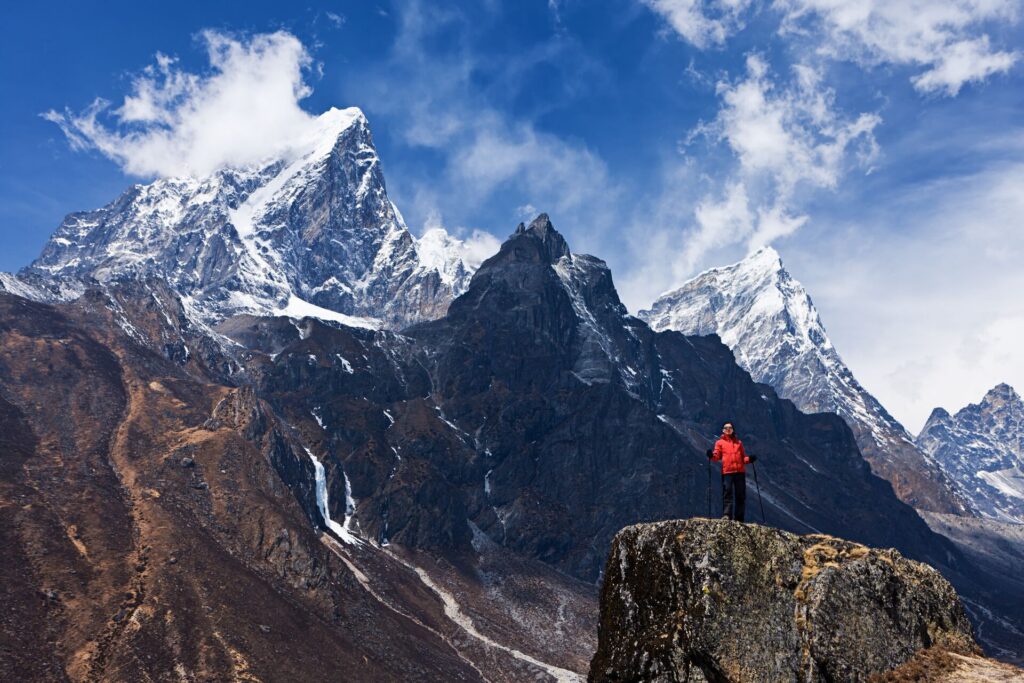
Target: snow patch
x=1009, y=482
x=345, y=365
x=322, y=502
x=299, y=308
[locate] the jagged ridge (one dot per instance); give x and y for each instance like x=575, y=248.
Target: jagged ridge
x=981, y=449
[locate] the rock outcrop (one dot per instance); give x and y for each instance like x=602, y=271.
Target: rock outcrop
x=714, y=600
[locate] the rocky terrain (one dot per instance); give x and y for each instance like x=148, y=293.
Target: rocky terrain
x=714, y=600
x=159, y=524
x=769, y=321
x=941, y=666
x=422, y=505
x=981, y=449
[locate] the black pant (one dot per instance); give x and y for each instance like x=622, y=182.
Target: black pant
x=734, y=490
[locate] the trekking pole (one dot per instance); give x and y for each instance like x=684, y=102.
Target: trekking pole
x=758, y=487
x=709, y=488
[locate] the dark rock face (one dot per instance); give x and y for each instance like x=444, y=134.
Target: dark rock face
x=542, y=413
x=155, y=567
x=583, y=420
x=721, y=601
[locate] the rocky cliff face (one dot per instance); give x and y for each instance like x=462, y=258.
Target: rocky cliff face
x=314, y=233
x=713, y=600
x=768, y=320
x=981, y=449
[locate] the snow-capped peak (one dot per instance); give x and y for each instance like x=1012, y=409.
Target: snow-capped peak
x=314, y=147
x=444, y=253
x=310, y=230
x=328, y=128
x=764, y=261
x=981, y=448
x=771, y=324
x=749, y=304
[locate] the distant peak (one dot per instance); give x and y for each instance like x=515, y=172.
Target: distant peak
x=326, y=128
x=765, y=258
x=540, y=228
x=1001, y=392
x=541, y=222
x=761, y=268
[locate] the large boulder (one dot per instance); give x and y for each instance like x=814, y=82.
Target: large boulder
x=714, y=600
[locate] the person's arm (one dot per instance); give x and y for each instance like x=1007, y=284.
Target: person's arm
x=743, y=453
x=717, y=454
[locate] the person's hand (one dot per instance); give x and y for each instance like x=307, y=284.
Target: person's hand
x=752, y=458
x=710, y=454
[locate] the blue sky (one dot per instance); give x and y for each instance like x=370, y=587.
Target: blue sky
x=878, y=146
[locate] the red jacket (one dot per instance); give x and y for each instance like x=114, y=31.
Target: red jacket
x=730, y=451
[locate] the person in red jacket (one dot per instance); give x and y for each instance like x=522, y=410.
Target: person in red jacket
x=729, y=449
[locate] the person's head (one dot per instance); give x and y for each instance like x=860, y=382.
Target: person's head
x=728, y=430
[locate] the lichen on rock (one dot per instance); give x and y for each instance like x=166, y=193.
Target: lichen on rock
x=714, y=600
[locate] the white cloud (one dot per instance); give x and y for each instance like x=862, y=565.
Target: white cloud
x=705, y=23
x=437, y=243
x=946, y=38
x=179, y=123
x=659, y=254
x=943, y=36
x=725, y=221
x=774, y=222
x=526, y=211
x=963, y=62
x=795, y=134
x=565, y=176
x=784, y=139
x=478, y=247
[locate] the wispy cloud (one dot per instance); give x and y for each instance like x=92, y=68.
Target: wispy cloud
x=786, y=132
x=793, y=134
x=433, y=100
x=704, y=23
x=945, y=38
x=177, y=123
x=784, y=138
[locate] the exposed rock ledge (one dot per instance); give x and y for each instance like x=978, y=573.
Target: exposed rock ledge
x=713, y=600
